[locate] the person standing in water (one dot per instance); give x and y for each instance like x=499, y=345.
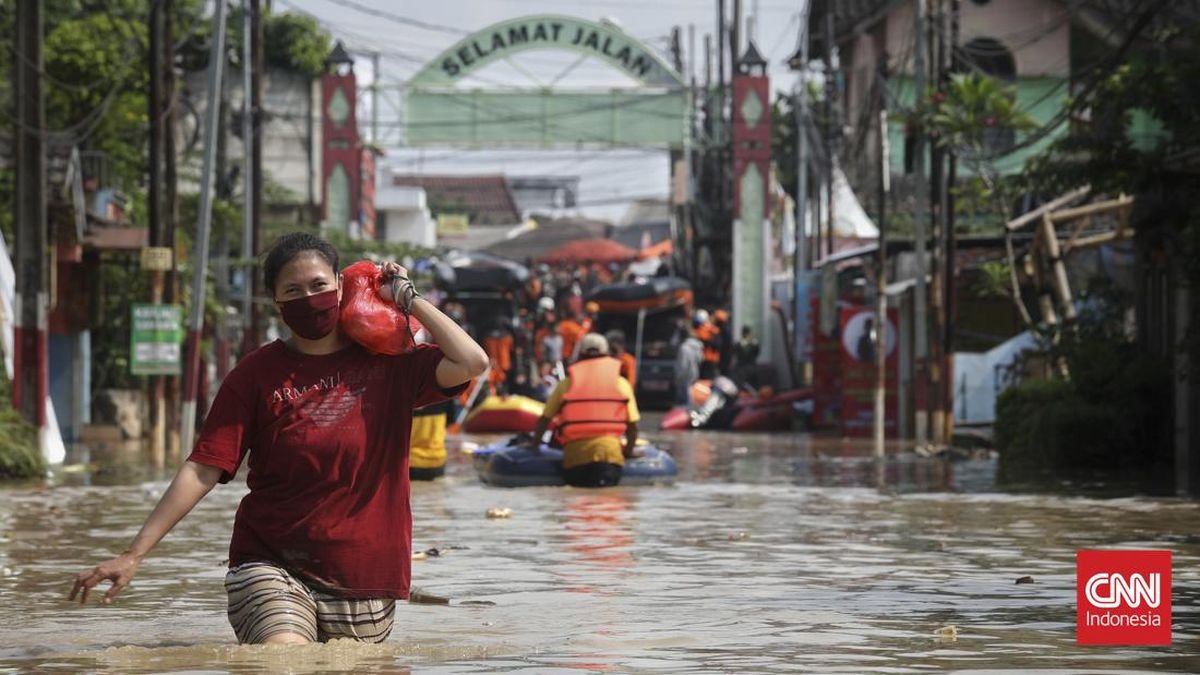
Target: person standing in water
x=322, y=543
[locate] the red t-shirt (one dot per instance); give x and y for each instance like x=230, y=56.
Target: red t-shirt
x=328, y=438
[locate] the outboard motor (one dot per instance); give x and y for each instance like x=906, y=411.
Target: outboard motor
x=718, y=410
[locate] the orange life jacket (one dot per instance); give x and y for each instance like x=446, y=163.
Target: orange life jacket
x=629, y=368
x=708, y=334
x=571, y=332
x=593, y=406
x=499, y=351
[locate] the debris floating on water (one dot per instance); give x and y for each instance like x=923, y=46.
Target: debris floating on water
x=738, y=536
x=949, y=632
x=477, y=603
x=1025, y=580
x=420, y=597
x=419, y=555
x=499, y=512
x=741, y=450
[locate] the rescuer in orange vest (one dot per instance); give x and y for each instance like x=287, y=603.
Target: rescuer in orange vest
x=710, y=335
x=616, y=345
x=499, y=347
x=571, y=329
x=594, y=408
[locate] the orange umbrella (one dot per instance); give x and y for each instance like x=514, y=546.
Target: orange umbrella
x=596, y=250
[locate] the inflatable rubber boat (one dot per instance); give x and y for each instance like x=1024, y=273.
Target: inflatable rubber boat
x=504, y=414
x=509, y=464
x=721, y=406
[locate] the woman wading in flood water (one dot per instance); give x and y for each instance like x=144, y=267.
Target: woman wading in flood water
x=321, y=545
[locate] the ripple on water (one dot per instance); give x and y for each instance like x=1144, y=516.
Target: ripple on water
x=783, y=558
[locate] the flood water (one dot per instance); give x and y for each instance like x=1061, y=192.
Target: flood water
x=772, y=554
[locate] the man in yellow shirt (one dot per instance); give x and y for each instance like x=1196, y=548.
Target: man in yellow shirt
x=594, y=408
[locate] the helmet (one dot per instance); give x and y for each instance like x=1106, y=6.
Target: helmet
x=700, y=317
x=591, y=307
x=546, y=304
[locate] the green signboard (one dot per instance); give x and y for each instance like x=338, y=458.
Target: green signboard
x=156, y=339
x=655, y=112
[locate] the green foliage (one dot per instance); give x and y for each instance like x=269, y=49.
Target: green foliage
x=963, y=115
x=1105, y=152
x=295, y=42
x=97, y=65
x=19, y=454
x=1110, y=414
x=7, y=178
x=994, y=280
x=783, y=141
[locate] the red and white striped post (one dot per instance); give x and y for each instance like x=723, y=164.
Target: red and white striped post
x=31, y=378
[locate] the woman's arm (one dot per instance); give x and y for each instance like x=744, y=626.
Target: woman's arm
x=191, y=483
x=463, y=359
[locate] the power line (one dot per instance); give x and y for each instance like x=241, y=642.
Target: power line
x=397, y=18
x=699, y=5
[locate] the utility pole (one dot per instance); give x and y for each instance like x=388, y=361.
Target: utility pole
x=375, y=97
x=718, y=138
x=937, y=179
x=881, y=317
x=800, y=250
x=681, y=160
x=249, y=180
x=157, y=383
x=216, y=62
x=224, y=191
x=830, y=128
x=951, y=252
x=31, y=377
x=170, y=206
x=920, y=231
x=692, y=56
x=736, y=32
x=254, y=335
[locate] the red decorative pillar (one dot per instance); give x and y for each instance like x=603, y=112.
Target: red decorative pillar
x=340, y=146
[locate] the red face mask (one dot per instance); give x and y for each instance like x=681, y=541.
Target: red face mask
x=313, y=316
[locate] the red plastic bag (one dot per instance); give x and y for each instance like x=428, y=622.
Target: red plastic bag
x=368, y=319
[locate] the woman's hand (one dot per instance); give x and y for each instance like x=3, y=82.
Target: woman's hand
x=390, y=270
x=119, y=571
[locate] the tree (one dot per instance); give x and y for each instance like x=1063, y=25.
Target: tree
x=970, y=116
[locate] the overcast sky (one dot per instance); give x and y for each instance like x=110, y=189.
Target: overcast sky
x=410, y=34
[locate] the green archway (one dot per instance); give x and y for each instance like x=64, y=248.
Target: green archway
x=655, y=113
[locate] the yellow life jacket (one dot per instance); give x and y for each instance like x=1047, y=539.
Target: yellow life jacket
x=427, y=447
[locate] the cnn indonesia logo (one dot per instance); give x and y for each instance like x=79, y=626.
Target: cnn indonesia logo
x=1124, y=597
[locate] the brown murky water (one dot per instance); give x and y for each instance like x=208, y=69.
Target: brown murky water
x=772, y=554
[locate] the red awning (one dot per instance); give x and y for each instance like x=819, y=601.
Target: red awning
x=662, y=249
x=595, y=250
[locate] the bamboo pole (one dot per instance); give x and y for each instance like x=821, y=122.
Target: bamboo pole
x=1052, y=205
x=1062, y=285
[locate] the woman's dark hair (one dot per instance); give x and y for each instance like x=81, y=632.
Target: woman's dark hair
x=287, y=247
